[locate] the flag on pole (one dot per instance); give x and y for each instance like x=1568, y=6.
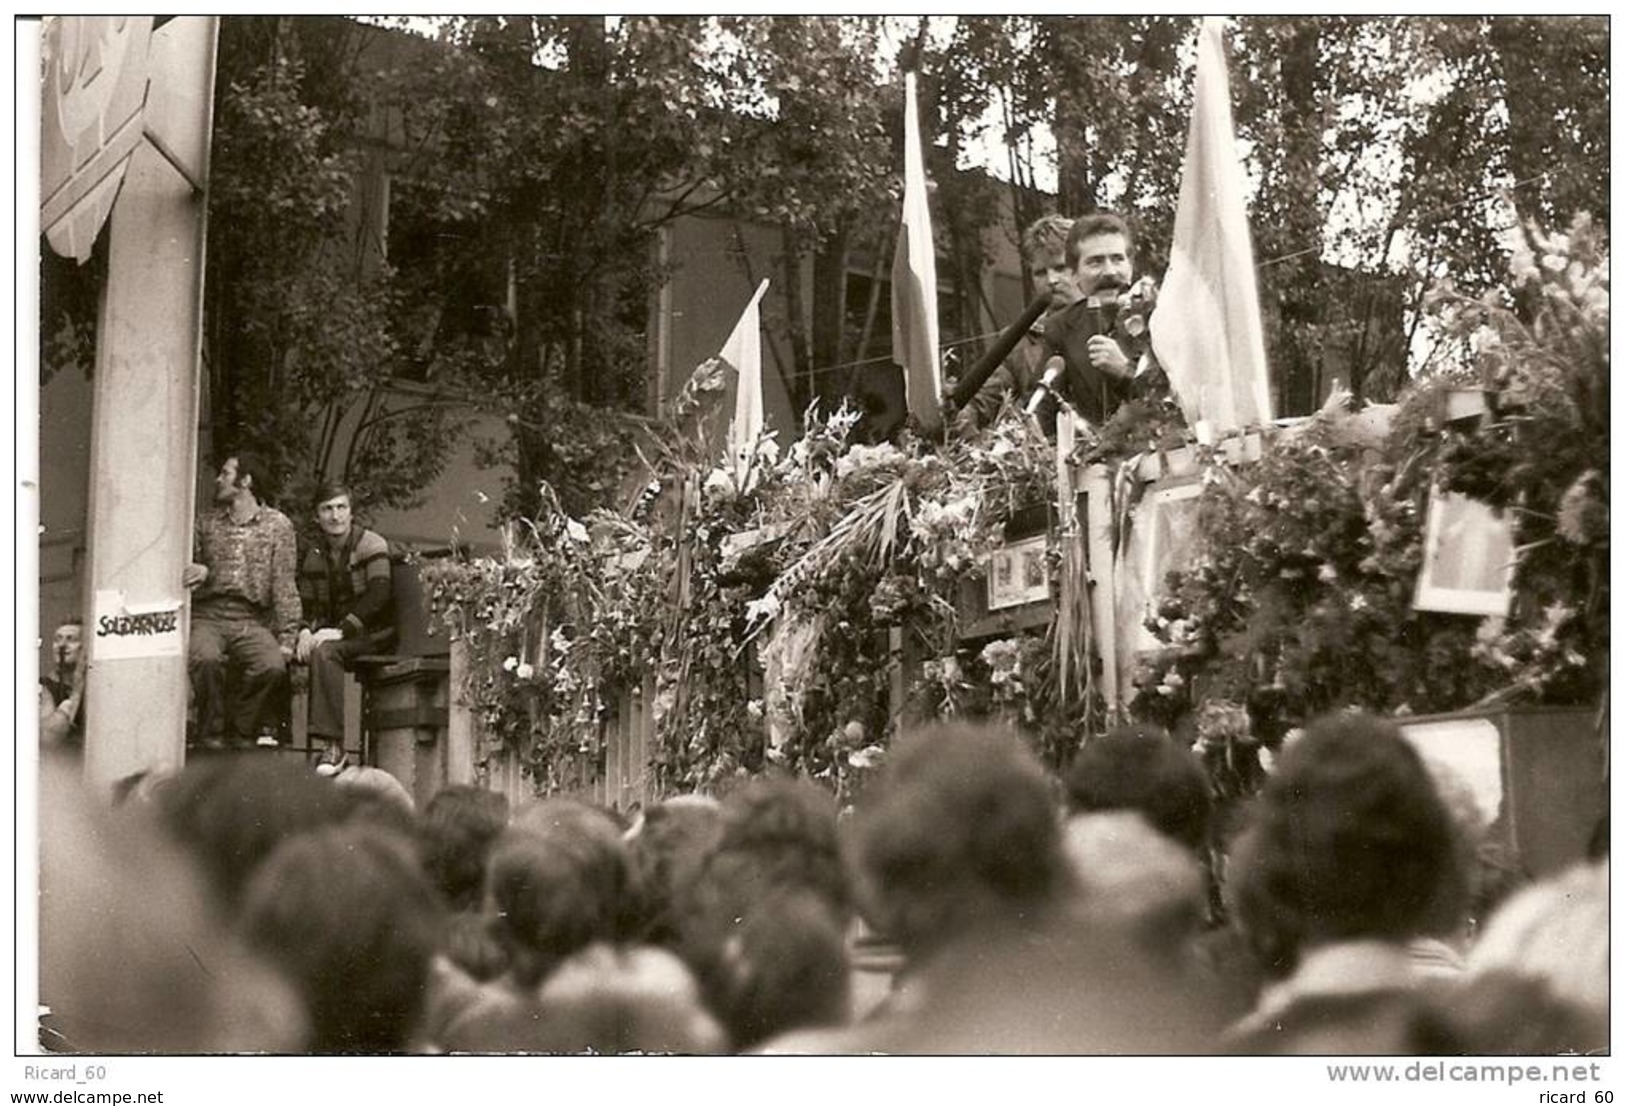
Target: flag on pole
x=914, y=282
x=742, y=352
x=1206, y=330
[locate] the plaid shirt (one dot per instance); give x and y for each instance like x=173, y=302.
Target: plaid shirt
x=254, y=560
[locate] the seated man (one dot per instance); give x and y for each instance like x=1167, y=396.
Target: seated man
x=245, y=606
x=344, y=586
x=63, y=722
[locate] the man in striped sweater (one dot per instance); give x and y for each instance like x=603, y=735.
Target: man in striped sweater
x=344, y=588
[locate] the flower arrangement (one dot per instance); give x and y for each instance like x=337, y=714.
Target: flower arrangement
x=775, y=605
x=1300, y=600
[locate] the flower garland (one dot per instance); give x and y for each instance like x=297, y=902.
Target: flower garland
x=775, y=606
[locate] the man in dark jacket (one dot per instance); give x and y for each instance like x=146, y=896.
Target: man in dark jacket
x=1103, y=336
x=344, y=587
x=1044, y=246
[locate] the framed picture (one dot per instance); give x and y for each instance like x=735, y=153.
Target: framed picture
x=1017, y=574
x=1467, y=558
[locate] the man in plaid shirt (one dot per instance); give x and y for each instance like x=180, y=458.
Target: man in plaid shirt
x=245, y=606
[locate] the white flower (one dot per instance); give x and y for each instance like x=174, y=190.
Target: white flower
x=765, y=609
x=525, y=671
x=561, y=644
x=510, y=664
x=1328, y=572
x=867, y=757
x=575, y=530
x=753, y=709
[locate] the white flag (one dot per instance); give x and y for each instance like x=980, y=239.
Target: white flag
x=1206, y=330
x=914, y=282
x=742, y=352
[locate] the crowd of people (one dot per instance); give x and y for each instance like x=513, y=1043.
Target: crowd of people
x=971, y=903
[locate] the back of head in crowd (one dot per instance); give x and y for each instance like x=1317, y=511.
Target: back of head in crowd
x=668, y=845
x=1141, y=768
x=231, y=814
x=348, y=915
x=1132, y=878
x=780, y=834
x=1350, y=840
x=1556, y=933
x=559, y=878
x=459, y=826
x=603, y=1000
x=133, y=954
x=763, y=922
x=960, y=833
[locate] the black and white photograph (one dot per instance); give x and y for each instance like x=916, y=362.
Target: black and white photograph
x=671, y=545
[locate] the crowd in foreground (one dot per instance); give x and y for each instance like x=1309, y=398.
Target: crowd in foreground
x=247, y=904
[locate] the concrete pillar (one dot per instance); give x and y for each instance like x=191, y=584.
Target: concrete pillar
x=145, y=415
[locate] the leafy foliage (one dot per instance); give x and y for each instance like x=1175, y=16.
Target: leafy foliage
x=1301, y=599
x=297, y=330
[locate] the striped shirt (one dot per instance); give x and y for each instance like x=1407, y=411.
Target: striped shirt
x=254, y=560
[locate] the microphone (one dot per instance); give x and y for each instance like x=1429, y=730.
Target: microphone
x=1053, y=370
x=978, y=373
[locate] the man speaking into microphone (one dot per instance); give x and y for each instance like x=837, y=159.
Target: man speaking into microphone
x=1103, y=339
x=1044, y=246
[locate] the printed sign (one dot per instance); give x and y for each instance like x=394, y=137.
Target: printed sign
x=1017, y=573
x=123, y=631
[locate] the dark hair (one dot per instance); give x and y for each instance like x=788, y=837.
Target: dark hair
x=1141, y=768
x=667, y=850
x=330, y=489
x=779, y=833
x=348, y=915
x=783, y=967
x=459, y=826
x=258, y=468
x=1350, y=839
x=560, y=879
x=962, y=830
x=1094, y=225
x=232, y=812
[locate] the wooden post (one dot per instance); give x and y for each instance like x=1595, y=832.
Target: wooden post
x=1097, y=490
x=145, y=414
x=460, y=766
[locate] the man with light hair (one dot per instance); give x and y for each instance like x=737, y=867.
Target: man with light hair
x=1043, y=246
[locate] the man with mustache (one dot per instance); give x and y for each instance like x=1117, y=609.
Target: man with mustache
x=1103, y=337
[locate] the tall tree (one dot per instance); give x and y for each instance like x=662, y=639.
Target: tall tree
x=297, y=334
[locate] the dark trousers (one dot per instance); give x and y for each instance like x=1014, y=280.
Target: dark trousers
x=328, y=663
x=228, y=636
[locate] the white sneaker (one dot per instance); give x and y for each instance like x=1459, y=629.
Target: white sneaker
x=267, y=741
